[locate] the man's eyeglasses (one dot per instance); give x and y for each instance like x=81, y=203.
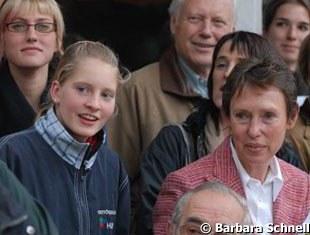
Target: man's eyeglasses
x=20, y=27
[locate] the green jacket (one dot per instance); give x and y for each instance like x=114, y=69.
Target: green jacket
x=20, y=214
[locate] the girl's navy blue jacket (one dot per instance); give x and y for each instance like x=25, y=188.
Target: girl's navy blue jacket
x=84, y=186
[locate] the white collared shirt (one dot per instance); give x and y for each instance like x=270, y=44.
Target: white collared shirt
x=260, y=196
x=307, y=220
x=301, y=100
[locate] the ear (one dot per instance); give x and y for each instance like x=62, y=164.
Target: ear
x=293, y=118
x=170, y=228
x=55, y=91
x=173, y=23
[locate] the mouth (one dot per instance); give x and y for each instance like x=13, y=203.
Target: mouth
x=203, y=46
x=290, y=47
x=89, y=118
x=254, y=147
x=31, y=49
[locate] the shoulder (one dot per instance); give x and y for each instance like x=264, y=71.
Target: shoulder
x=108, y=153
x=20, y=140
x=207, y=167
x=110, y=165
x=167, y=149
x=194, y=173
x=145, y=76
x=20, y=203
x=169, y=141
x=170, y=132
x=294, y=175
x=149, y=69
x=296, y=187
x=109, y=159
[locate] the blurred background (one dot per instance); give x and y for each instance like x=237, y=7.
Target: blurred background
x=137, y=30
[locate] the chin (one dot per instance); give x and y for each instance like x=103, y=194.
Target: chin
x=83, y=135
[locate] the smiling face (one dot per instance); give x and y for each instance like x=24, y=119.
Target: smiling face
x=86, y=100
x=197, y=28
x=30, y=49
x=289, y=27
x=224, y=63
x=258, y=121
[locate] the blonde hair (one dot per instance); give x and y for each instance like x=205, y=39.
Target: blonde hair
x=85, y=49
x=10, y=8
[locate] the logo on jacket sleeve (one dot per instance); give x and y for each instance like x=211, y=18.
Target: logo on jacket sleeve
x=106, y=219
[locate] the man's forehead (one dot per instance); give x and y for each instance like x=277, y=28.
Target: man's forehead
x=212, y=8
x=208, y=206
x=214, y=5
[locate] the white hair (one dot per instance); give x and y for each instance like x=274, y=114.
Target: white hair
x=175, y=6
x=211, y=186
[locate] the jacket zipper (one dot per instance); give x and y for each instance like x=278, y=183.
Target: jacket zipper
x=83, y=165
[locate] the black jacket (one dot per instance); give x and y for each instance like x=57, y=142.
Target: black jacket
x=16, y=113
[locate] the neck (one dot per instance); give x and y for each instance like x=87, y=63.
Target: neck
x=31, y=82
x=292, y=66
x=257, y=171
x=204, y=73
x=201, y=70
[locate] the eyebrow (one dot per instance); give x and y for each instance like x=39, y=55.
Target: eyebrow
x=224, y=57
x=194, y=219
x=38, y=19
x=281, y=18
x=221, y=57
x=285, y=19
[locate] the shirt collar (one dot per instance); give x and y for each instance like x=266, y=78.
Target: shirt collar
x=274, y=175
x=69, y=149
x=198, y=84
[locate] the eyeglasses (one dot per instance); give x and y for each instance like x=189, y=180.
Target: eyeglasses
x=21, y=27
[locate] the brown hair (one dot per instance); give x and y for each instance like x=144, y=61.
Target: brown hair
x=304, y=60
x=261, y=73
x=252, y=45
x=271, y=7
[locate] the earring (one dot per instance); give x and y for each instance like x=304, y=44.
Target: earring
x=55, y=101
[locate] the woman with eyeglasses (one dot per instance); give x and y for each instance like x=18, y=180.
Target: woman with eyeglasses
x=31, y=34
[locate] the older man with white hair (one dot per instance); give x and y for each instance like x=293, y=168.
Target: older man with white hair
x=168, y=90
x=200, y=209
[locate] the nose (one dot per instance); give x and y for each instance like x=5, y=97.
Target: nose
x=292, y=33
x=206, y=30
x=228, y=70
x=93, y=102
x=31, y=34
x=254, y=129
